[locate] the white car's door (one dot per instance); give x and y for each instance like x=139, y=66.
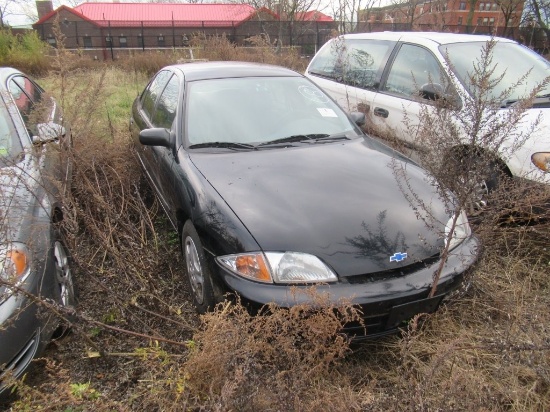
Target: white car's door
x=413, y=73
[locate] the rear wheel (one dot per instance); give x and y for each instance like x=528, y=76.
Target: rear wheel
x=198, y=273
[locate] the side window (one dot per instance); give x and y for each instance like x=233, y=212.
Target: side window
x=152, y=92
x=413, y=68
x=326, y=61
x=167, y=105
x=28, y=99
x=358, y=63
x=365, y=61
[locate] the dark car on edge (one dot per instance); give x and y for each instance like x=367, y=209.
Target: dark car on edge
x=34, y=265
x=273, y=188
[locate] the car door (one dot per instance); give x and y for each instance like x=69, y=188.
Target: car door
x=143, y=117
x=44, y=124
x=412, y=67
x=350, y=70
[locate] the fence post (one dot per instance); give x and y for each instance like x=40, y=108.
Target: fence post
x=111, y=42
x=142, y=38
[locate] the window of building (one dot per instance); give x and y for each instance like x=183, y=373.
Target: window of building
x=495, y=6
x=462, y=5
x=140, y=41
x=123, y=41
x=485, y=21
x=481, y=6
x=51, y=41
x=460, y=21
x=87, y=40
x=108, y=41
x=479, y=21
x=445, y=7
x=160, y=40
x=491, y=21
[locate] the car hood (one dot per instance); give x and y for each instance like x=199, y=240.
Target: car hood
x=338, y=201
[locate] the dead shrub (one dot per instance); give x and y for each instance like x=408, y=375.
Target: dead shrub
x=279, y=360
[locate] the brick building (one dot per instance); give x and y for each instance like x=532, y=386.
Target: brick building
x=170, y=25
x=464, y=16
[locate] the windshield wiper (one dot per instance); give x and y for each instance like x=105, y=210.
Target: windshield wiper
x=332, y=137
x=290, y=139
x=223, y=145
x=309, y=138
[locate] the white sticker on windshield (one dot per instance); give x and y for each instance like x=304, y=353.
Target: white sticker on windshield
x=327, y=112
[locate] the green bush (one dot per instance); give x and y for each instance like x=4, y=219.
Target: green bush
x=25, y=52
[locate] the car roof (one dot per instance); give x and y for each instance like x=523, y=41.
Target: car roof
x=440, y=38
x=6, y=72
x=220, y=70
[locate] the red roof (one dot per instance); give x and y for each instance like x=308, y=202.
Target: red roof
x=165, y=12
x=313, y=15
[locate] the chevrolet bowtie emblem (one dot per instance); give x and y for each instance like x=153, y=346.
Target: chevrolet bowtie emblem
x=398, y=257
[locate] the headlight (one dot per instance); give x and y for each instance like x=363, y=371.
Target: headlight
x=461, y=230
x=279, y=267
x=14, y=267
x=542, y=161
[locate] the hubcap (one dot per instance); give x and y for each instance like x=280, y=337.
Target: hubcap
x=194, y=270
x=63, y=274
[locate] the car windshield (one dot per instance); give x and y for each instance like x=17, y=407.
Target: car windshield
x=10, y=146
x=510, y=60
x=256, y=110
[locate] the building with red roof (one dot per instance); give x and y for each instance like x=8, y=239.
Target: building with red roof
x=143, y=26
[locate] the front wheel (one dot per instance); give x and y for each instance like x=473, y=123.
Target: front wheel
x=65, y=286
x=198, y=273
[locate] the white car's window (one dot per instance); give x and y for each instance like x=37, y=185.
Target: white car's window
x=413, y=67
x=510, y=60
x=256, y=110
x=357, y=63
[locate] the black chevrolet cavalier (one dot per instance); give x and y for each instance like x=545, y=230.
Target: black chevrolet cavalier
x=273, y=188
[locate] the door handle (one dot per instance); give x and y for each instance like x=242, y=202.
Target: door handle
x=378, y=111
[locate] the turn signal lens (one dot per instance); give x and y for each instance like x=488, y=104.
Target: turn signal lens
x=542, y=161
x=252, y=266
x=14, y=262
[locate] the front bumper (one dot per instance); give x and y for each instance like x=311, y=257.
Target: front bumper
x=385, y=303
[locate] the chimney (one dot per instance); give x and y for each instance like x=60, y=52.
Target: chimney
x=43, y=7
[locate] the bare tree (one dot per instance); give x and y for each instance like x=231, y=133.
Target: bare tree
x=511, y=11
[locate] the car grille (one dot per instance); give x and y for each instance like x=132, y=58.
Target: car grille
x=393, y=273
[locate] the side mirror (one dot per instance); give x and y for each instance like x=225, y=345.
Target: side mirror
x=155, y=137
x=358, y=118
x=436, y=92
x=48, y=132
x=432, y=91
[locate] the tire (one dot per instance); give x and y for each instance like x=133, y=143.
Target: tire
x=483, y=173
x=197, y=269
x=64, y=285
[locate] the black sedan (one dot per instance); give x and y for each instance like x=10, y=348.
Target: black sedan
x=35, y=275
x=273, y=188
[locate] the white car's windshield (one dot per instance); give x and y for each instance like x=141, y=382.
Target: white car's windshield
x=509, y=60
x=257, y=110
